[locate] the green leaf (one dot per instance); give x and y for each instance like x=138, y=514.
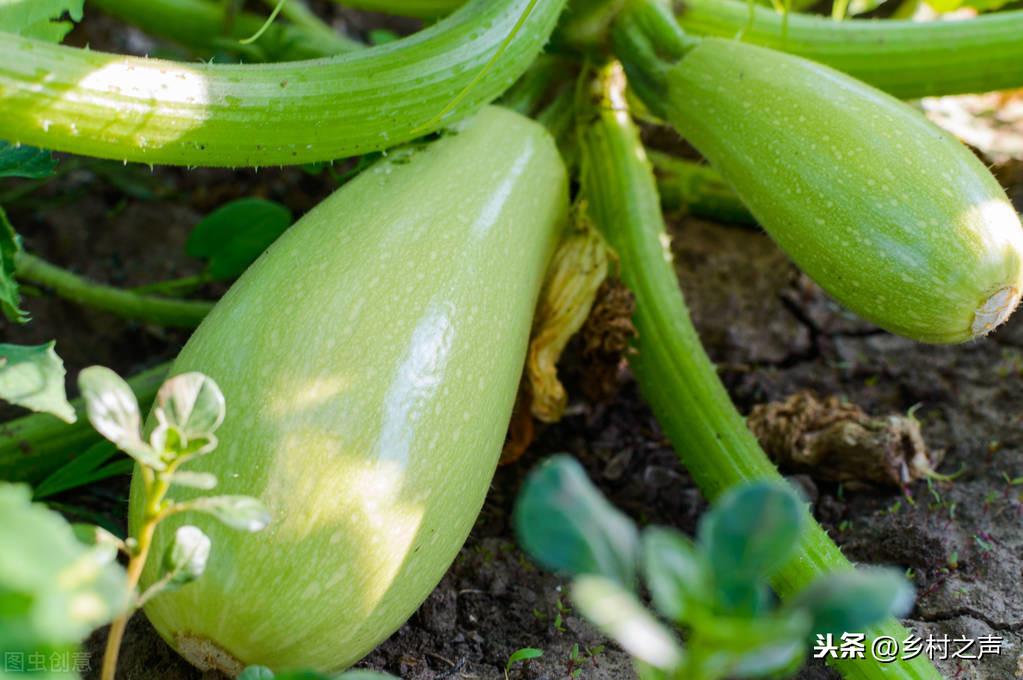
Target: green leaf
x=39, y=19
x=381, y=36
x=18, y=160
x=10, y=246
x=86, y=468
x=53, y=589
x=524, y=654
x=648, y=672
x=238, y=512
x=195, y=480
x=235, y=234
x=114, y=412
x=186, y=557
x=171, y=443
x=189, y=407
x=566, y=525
x=192, y=403
x=676, y=573
x=749, y=533
x=256, y=673
x=742, y=647
x=851, y=601
x=33, y=377
x=778, y=660
x=620, y=615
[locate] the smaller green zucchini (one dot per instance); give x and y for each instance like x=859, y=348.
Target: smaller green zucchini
x=894, y=217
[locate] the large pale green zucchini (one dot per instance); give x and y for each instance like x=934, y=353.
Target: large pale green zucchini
x=369, y=361
x=895, y=218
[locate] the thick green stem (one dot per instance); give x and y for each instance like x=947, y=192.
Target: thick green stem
x=647, y=40
x=672, y=368
x=697, y=189
x=209, y=26
x=530, y=91
x=123, y=303
x=156, y=111
x=174, y=288
x=588, y=22
x=36, y=445
x=905, y=58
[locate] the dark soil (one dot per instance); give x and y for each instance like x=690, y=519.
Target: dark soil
x=773, y=333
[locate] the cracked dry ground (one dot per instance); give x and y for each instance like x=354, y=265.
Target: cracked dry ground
x=772, y=332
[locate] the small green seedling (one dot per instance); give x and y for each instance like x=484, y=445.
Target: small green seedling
x=520, y=655
x=188, y=410
x=715, y=589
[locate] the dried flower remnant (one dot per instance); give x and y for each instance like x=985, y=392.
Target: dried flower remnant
x=837, y=441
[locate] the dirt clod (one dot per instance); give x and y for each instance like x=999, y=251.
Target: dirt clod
x=835, y=441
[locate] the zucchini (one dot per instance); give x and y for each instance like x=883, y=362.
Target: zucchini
x=892, y=216
x=369, y=360
x=228, y=115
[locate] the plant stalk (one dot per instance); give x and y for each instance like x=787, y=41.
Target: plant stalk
x=299, y=14
x=420, y=9
x=696, y=189
x=156, y=111
x=908, y=59
x=123, y=303
x=530, y=91
x=210, y=26
x=673, y=370
x=156, y=490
